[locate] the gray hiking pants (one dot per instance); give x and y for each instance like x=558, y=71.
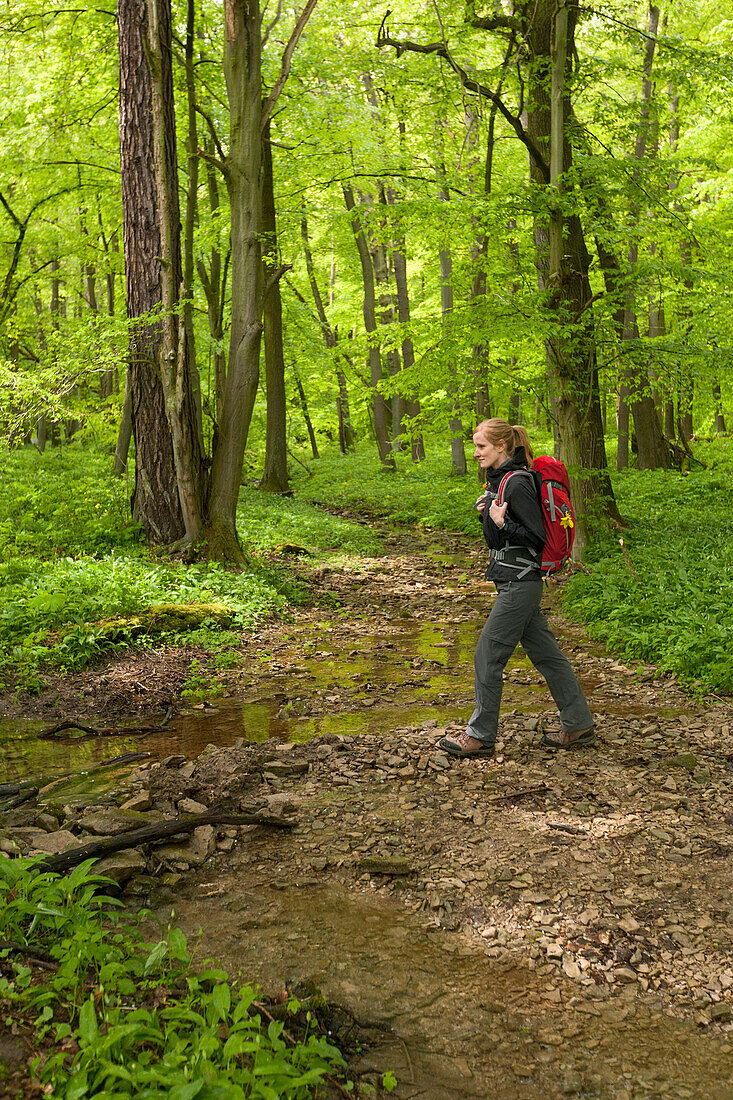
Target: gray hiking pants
x=516, y=617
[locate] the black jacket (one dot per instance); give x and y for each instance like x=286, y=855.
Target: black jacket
x=523, y=524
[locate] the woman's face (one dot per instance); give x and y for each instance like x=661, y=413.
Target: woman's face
x=489, y=455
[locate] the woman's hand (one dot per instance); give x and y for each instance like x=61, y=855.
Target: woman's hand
x=498, y=512
x=481, y=504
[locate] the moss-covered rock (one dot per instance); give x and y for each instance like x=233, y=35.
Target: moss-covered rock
x=162, y=618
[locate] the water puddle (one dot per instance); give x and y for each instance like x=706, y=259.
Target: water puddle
x=368, y=685
x=458, y=1024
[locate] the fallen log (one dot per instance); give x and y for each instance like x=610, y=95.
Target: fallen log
x=149, y=834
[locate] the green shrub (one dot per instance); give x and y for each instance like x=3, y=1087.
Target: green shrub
x=679, y=613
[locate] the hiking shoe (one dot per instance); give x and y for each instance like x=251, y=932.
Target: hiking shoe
x=464, y=746
x=569, y=739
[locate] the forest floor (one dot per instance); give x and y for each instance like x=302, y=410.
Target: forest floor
x=538, y=924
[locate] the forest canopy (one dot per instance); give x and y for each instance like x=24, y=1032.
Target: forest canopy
x=283, y=230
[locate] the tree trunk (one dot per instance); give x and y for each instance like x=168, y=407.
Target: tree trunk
x=652, y=451
x=178, y=371
x=243, y=174
x=719, y=415
x=571, y=350
x=275, y=477
x=214, y=283
x=379, y=405
x=445, y=259
x=119, y=464
x=347, y=438
x=330, y=336
x=155, y=502
x=623, y=427
x=380, y=263
x=306, y=414
x=411, y=403
x=192, y=157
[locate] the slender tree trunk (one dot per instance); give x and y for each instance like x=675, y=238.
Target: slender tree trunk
x=685, y=382
x=347, y=438
x=652, y=452
x=275, y=477
x=192, y=156
x=243, y=172
x=623, y=427
x=382, y=277
x=155, y=502
x=477, y=295
x=411, y=403
x=214, y=283
x=331, y=339
x=306, y=414
x=445, y=259
x=720, y=427
x=124, y=434
x=379, y=405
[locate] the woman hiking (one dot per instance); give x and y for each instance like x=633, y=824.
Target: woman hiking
x=514, y=532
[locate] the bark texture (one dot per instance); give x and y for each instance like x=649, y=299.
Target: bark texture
x=155, y=501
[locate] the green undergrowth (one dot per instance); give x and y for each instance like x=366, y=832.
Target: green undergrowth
x=71, y=560
x=115, y=1016
x=675, y=609
x=420, y=493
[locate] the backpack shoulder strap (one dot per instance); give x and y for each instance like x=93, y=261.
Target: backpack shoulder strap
x=502, y=484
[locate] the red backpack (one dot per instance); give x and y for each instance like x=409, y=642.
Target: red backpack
x=557, y=511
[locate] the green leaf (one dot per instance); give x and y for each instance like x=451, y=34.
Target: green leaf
x=88, y=1029
x=221, y=997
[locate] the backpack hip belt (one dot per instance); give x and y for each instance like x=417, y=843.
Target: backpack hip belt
x=514, y=557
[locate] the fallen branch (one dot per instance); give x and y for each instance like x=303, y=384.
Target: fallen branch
x=514, y=796
x=36, y=956
x=104, y=731
x=27, y=795
x=149, y=834
x=573, y=829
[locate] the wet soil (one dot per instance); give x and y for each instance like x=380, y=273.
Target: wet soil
x=533, y=925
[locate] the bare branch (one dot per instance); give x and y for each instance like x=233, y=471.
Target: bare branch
x=14, y=217
x=269, y=105
x=212, y=130
x=468, y=83
x=271, y=25
x=82, y=164
x=494, y=22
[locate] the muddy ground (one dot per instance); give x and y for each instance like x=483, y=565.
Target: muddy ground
x=539, y=924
